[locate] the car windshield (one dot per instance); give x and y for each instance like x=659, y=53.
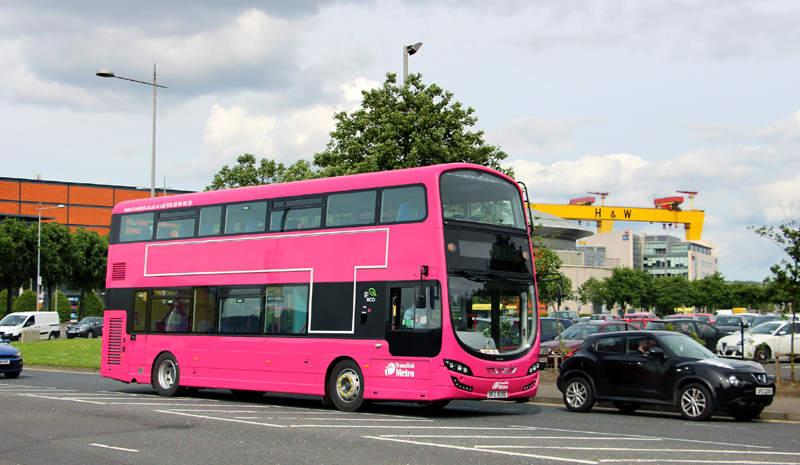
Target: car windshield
x=13, y=320
x=765, y=328
x=656, y=325
x=86, y=321
x=684, y=346
x=760, y=320
x=579, y=331
x=549, y=326
x=728, y=321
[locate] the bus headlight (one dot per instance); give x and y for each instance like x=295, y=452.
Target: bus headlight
x=534, y=368
x=458, y=367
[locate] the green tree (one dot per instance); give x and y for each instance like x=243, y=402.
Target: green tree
x=26, y=302
x=670, y=293
x=94, y=305
x=3, y=299
x=745, y=294
x=712, y=293
x=405, y=126
x=56, y=249
x=64, y=307
x=246, y=173
x=17, y=257
x=547, y=261
x=594, y=292
x=88, y=261
x=786, y=273
x=629, y=287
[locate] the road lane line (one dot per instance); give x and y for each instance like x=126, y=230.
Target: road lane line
x=104, y=446
x=231, y=420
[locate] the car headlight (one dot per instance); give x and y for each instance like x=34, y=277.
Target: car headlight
x=735, y=380
x=17, y=356
x=544, y=351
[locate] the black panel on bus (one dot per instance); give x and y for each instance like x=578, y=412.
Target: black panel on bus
x=487, y=251
x=332, y=307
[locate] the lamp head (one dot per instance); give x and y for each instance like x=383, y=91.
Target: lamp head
x=105, y=72
x=412, y=49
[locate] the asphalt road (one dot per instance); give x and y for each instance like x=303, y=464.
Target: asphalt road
x=74, y=418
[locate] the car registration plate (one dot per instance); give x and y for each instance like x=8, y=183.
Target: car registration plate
x=5, y=362
x=497, y=394
x=736, y=348
x=542, y=359
x=763, y=391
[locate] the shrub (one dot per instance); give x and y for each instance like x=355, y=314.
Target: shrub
x=94, y=305
x=26, y=302
x=64, y=306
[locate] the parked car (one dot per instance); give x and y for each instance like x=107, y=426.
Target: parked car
x=570, y=315
x=602, y=317
x=549, y=329
x=90, y=326
x=708, y=333
x=734, y=323
x=760, y=319
x=662, y=367
x=640, y=316
x=10, y=360
x=763, y=345
x=573, y=337
x=45, y=323
x=731, y=346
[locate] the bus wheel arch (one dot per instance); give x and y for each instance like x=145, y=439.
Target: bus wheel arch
x=345, y=385
x=165, y=375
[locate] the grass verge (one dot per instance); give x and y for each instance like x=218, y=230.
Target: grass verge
x=73, y=353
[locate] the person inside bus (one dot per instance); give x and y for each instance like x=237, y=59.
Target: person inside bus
x=176, y=320
x=414, y=317
x=405, y=213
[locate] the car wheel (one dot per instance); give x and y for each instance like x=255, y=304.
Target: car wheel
x=90, y=334
x=166, y=375
x=762, y=354
x=13, y=375
x=52, y=336
x=745, y=415
x=695, y=402
x=346, y=386
x=627, y=407
x=578, y=396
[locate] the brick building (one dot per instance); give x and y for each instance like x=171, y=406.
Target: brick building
x=86, y=205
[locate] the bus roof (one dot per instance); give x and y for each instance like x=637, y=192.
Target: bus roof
x=308, y=187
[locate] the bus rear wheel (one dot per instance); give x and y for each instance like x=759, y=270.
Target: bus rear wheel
x=166, y=375
x=346, y=386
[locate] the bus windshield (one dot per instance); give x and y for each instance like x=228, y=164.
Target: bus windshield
x=482, y=198
x=492, y=316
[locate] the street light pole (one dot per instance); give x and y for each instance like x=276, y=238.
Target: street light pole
x=108, y=73
x=39, y=252
x=409, y=50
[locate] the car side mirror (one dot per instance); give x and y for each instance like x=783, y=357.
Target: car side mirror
x=657, y=352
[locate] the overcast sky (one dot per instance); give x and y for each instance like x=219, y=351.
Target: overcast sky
x=638, y=99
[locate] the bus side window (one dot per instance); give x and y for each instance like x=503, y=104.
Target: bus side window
x=210, y=219
x=403, y=204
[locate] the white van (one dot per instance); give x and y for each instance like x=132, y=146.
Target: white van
x=47, y=323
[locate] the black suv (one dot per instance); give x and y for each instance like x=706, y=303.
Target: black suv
x=91, y=326
x=662, y=367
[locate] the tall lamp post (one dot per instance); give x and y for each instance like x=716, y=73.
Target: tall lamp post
x=39, y=252
x=409, y=50
x=110, y=74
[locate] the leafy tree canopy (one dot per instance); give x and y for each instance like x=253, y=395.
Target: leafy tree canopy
x=397, y=126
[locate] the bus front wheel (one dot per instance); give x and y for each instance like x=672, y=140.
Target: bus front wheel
x=166, y=375
x=346, y=386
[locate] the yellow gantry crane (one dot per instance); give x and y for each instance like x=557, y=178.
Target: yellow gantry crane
x=667, y=211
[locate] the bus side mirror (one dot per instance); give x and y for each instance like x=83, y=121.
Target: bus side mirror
x=419, y=299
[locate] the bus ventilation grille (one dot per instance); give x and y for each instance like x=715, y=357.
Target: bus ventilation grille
x=115, y=332
x=118, y=271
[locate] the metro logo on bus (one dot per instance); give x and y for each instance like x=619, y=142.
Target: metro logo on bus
x=400, y=370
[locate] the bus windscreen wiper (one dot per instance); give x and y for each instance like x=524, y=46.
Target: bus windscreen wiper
x=470, y=276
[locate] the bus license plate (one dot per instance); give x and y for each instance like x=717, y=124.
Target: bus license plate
x=497, y=394
x=763, y=391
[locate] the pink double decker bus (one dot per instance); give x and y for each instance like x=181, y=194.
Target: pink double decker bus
x=411, y=285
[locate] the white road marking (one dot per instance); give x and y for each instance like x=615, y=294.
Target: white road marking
x=204, y=417
x=114, y=448
x=472, y=449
